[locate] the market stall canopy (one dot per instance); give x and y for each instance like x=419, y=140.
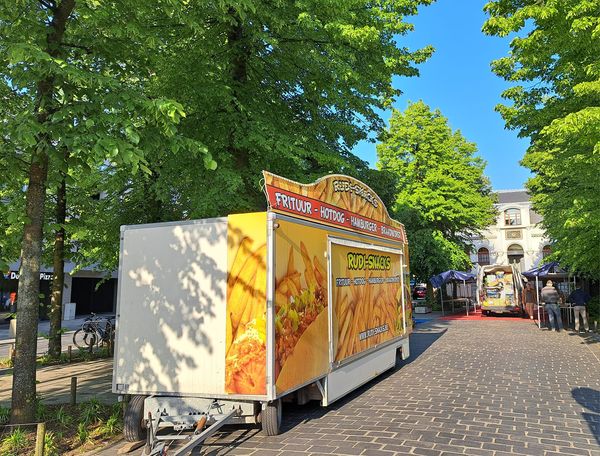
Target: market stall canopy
x=545, y=270
x=448, y=276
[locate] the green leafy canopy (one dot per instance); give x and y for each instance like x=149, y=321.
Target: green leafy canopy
x=442, y=194
x=554, y=66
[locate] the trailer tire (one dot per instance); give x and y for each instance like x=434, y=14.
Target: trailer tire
x=134, y=424
x=271, y=418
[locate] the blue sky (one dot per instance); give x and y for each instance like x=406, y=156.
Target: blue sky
x=458, y=80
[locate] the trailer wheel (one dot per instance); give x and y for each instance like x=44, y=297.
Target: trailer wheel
x=134, y=424
x=271, y=418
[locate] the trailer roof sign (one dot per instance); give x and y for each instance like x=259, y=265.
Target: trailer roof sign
x=335, y=200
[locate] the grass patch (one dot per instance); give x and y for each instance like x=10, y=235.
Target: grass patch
x=77, y=356
x=16, y=442
x=68, y=429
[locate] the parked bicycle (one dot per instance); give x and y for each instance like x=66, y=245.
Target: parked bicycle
x=94, y=330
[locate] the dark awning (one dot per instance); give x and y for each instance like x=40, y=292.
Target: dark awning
x=448, y=276
x=544, y=270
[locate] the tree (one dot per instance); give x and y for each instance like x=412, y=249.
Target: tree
x=554, y=66
x=78, y=72
x=290, y=89
x=442, y=194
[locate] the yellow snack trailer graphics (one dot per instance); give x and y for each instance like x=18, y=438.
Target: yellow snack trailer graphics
x=500, y=287
x=366, y=301
x=246, y=324
x=309, y=298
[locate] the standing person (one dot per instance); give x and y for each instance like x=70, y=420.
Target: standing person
x=529, y=299
x=551, y=298
x=13, y=301
x=580, y=299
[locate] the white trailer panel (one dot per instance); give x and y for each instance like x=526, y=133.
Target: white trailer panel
x=171, y=308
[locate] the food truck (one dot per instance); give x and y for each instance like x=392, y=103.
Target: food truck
x=499, y=289
x=219, y=320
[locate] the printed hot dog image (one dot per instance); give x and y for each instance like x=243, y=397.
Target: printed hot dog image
x=301, y=322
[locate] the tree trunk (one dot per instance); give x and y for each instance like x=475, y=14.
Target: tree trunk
x=240, y=49
x=58, y=281
x=24, y=387
x=239, y=75
x=431, y=299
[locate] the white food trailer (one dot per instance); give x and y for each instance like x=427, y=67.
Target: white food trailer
x=219, y=319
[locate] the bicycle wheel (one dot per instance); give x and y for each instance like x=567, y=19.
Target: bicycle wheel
x=84, y=339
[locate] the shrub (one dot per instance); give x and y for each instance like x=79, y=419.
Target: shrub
x=82, y=433
x=50, y=444
x=90, y=411
x=112, y=426
x=593, y=309
x=16, y=441
x=63, y=417
x=4, y=415
x=40, y=408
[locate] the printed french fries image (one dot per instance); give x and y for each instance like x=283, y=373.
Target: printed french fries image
x=245, y=344
x=367, y=299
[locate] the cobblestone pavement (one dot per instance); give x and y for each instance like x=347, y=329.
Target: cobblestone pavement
x=475, y=388
x=470, y=387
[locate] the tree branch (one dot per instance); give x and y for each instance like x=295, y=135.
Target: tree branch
x=87, y=49
x=48, y=4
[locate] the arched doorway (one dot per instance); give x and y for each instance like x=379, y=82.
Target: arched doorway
x=515, y=253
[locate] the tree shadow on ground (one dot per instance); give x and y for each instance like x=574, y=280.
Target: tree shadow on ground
x=421, y=341
x=590, y=399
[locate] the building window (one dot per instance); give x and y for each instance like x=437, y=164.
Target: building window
x=546, y=251
x=483, y=256
x=512, y=217
x=515, y=253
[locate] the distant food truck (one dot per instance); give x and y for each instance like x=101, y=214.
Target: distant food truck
x=499, y=289
x=218, y=320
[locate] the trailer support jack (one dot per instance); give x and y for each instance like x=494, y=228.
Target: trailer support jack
x=158, y=443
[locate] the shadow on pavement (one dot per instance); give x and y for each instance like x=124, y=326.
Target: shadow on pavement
x=246, y=433
x=424, y=337
x=421, y=340
x=590, y=399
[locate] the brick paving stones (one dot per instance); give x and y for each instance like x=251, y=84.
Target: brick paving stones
x=470, y=388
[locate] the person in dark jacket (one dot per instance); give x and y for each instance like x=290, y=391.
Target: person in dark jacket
x=551, y=299
x=529, y=299
x=580, y=299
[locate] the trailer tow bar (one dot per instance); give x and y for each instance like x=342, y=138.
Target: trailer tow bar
x=158, y=443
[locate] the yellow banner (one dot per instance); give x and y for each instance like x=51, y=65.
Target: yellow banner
x=246, y=352
x=366, y=298
x=334, y=200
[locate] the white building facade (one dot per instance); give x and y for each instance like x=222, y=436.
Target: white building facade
x=516, y=236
